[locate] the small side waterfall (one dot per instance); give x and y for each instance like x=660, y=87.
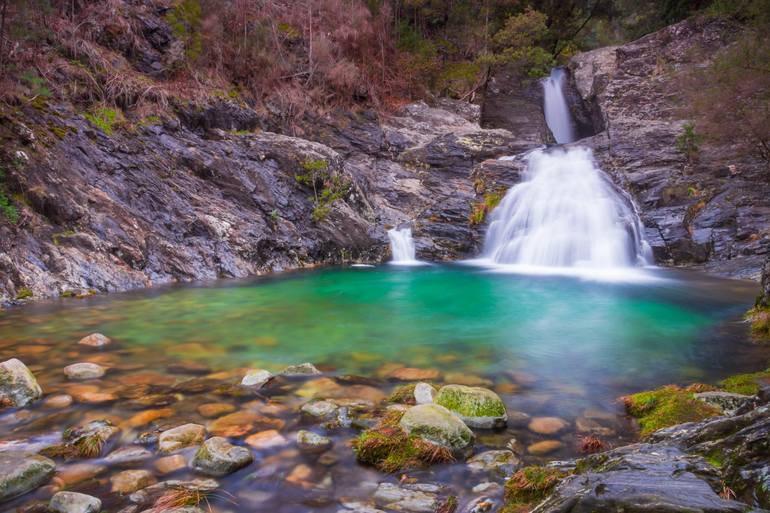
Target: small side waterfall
x=402, y=246
x=566, y=213
x=557, y=115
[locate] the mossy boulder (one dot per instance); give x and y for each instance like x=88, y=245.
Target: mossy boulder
x=478, y=407
x=218, y=457
x=389, y=448
x=21, y=473
x=18, y=386
x=436, y=424
x=668, y=406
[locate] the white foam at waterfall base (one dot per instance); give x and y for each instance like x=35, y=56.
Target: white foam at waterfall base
x=565, y=217
x=402, y=247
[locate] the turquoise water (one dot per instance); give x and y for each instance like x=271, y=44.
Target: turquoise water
x=667, y=327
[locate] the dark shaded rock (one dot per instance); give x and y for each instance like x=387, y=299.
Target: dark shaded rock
x=641, y=477
x=713, y=211
x=515, y=104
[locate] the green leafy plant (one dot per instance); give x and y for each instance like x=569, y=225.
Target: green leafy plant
x=105, y=119
x=328, y=186
x=39, y=90
x=7, y=208
x=185, y=21
x=688, y=142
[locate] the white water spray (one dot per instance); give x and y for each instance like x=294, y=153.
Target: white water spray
x=557, y=115
x=402, y=246
x=566, y=213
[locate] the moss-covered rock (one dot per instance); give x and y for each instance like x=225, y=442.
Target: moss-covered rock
x=88, y=441
x=218, y=457
x=477, y=407
x=436, y=424
x=389, y=448
x=668, y=406
x=18, y=386
x=21, y=473
x=530, y=485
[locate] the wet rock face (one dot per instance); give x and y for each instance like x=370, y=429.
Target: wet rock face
x=641, y=477
x=202, y=196
x=713, y=211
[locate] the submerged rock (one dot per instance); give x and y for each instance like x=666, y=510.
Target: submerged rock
x=18, y=386
x=307, y=441
x=84, y=370
x=502, y=463
x=477, y=407
x=402, y=498
x=130, y=481
x=218, y=457
x=320, y=409
x=437, y=425
x=128, y=456
x=303, y=369
x=95, y=340
x=72, y=502
x=21, y=473
x=547, y=425
x=544, y=447
x=177, y=438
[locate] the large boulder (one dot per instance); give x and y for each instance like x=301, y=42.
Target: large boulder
x=438, y=425
x=477, y=407
x=18, y=386
x=218, y=457
x=21, y=473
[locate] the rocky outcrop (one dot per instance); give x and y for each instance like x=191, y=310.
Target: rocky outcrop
x=712, y=211
x=199, y=195
x=718, y=465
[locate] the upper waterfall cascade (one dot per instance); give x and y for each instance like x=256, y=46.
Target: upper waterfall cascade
x=557, y=114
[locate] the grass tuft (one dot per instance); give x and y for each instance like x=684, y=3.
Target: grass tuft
x=668, y=406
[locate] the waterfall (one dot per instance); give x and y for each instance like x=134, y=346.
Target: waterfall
x=557, y=115
x=565, y=213
x=402, y=246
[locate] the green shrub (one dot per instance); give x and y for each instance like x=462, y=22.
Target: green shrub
x=7, y=207
x=688, y=142
x=328, y=186
x=105, y=119
x=185, y=21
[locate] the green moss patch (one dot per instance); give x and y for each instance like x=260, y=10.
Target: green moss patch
x=759, y=317
x=388, y=448
x=747, y=384
x=403, y=394
x=470, y=401
x=668, y=406
x=530, y=485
